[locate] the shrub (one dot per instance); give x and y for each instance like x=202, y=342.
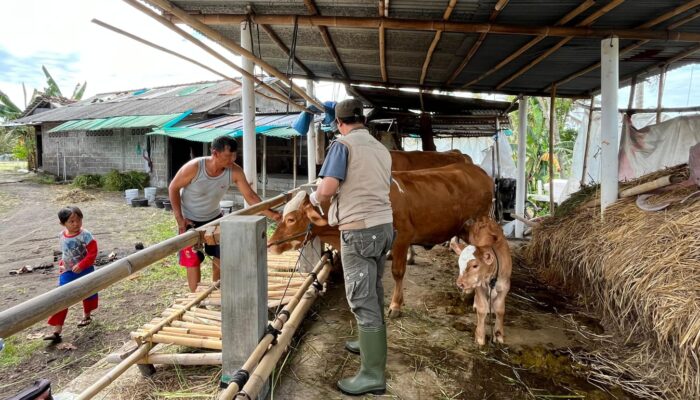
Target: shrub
x=88, y=181
x=117, y=181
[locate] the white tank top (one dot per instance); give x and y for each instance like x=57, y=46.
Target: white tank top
x=200, y=199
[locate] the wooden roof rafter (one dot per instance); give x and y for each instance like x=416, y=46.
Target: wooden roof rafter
x=448, y=26
x=383, y=11
x=585, y=23
x=229, y=45
x=500, y=5
x=436, y=40
x=649, y=24
x=326, y=36
x=585, y=5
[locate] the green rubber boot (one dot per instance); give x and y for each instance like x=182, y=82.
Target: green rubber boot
x=370, y=378
x=353, y=346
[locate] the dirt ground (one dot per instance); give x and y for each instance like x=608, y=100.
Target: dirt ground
x=432, y=354
x=29, y=232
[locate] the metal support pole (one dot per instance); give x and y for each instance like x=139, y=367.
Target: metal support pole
x=521, y=184
x=294, y=161
x=552, y=124
x=264, y=165
x=610, y=58
x=498, y=150
x=311, y=140
x=659, y=100
x=243, y=289
x=587, y=143
x=248, y=107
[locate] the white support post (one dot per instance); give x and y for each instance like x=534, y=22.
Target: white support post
x=521, y=184
x=243, y=289
x=248, y=108
x=610, y=79
x=311, y=140
x=264, y=165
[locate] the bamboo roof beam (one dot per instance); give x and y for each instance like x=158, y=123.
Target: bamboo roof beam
x=585, y=5
x=585, y=23
x=436, y=40
x=440, y=25
x=173, y=53
x=326, y=36
x=229, y=44
x=662, y=18
x=500, y=5
x=382, y=42
x=139, y=6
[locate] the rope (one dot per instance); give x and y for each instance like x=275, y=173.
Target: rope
x=290, y=60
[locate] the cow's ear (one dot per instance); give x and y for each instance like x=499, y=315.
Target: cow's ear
x=457, y=247
x=314, y=216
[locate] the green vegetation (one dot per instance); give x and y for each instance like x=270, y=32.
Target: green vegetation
x=88, y=181
x=17, y=350
x=118, y=181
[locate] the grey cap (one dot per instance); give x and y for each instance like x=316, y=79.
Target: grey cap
x=349, y=108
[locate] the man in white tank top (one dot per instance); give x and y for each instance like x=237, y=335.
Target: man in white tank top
x=197, y=189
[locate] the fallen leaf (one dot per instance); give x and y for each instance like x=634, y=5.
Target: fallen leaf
x=37, y=335
x=66, y=346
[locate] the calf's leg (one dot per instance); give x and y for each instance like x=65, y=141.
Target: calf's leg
x=499, y=307
x=482, y=308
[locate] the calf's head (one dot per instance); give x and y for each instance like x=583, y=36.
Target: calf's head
x=298, y=214
x=476, y=267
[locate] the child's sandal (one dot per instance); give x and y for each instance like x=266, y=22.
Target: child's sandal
x=54, y=338
x=85, y=322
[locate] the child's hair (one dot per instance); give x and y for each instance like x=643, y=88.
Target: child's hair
x=66, y=212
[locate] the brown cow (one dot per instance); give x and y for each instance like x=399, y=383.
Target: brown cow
x=430, y=206
x=485, y=267
x=413, y=160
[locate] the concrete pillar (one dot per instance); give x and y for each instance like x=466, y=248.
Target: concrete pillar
x=521, y=184
x=243, y=289
x=610, y=80
x=311, y=140
x=248, y=108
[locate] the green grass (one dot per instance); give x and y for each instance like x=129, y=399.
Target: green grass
x=43, y=179
x=17, y=350
x=12, y=165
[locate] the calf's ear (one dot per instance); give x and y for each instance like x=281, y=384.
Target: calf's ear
x=487, y=256
x=314, y=216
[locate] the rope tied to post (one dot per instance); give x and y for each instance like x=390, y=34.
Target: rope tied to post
x=271, y=330
x=240, y=378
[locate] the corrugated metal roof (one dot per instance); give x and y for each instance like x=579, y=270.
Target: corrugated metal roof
x=406, y=49
x=198, y=97
x=276, y=125
x=146, y=121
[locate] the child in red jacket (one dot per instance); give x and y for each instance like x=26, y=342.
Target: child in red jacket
x=79, y=250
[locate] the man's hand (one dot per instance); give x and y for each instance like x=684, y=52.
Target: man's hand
x=314, y=201
x=182, y=224
x=61, y=268
x=274, y=215
x=75, y=269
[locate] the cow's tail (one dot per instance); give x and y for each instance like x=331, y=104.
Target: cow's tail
x=492, y=209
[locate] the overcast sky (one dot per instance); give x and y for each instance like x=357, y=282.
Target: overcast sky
x=59, y=35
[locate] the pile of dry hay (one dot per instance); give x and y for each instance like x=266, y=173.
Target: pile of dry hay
x=75, y=196
x=641, y=272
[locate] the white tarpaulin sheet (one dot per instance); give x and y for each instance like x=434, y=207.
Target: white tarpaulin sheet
x=642, y=151
x=646, y=150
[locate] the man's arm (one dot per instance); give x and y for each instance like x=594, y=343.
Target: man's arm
x=332, y=173
x=183, y=178
x=239, y=179
x=327, y=188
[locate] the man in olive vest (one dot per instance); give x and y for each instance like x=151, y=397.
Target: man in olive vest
x=356, y=179
x=197, y=189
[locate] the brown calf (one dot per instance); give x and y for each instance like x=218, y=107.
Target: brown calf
x=485, y=267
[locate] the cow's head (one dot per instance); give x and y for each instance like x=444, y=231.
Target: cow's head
x=297, y=216
x=476, y=266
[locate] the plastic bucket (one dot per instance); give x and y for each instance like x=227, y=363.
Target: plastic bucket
x=150, y=194
x=226, y=206
x=131, y=194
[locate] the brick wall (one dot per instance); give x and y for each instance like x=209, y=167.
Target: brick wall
x=98, y=152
